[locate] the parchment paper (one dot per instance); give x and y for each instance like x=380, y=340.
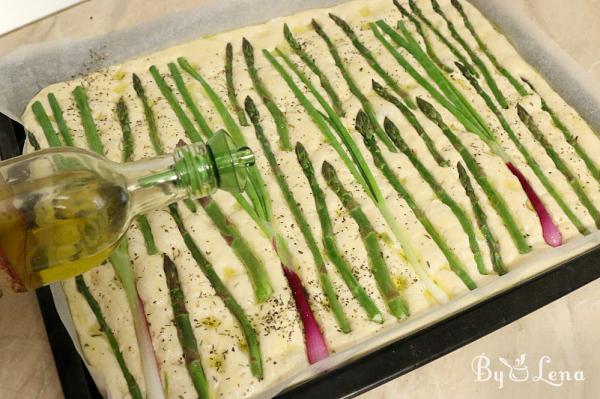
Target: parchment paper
x=25, y=71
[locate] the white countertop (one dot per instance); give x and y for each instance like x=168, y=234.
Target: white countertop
x=563, y=336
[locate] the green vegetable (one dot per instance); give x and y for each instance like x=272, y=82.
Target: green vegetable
x=335, y=100
x=123, y=117
x=439, y=191
x=396, y=304
x=480, y=216
x=65, y=133
x=267, y=97
x=366, y=105
x=89, y=126
x=231, y=87
x=223, y=293
x=44, y=121
x=518, y=86
x=368, y=56
x=494, y=197
x=133, y=387
x=560, y=164
x=412, y=119
x=185, y=331
x=150, y=118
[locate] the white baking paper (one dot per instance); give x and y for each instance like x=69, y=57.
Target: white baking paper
x=24, y=72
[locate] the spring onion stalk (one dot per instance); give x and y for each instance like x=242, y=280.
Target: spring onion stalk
x=122, y=266
x=261, y=213
x=493, y=195
x=148, y=114
x=568, y=135
x=132, y=386
x=42, y=118
x=368, y=56
x=481, y=217
x=308, y=60
x=456, y=52
x=440, y=192
x=189, y=101
x=185, y=331
x=560, y=164
x=396, y=304
x=356, y=164
x=474, y=57
x=364, y=128
x=231, y=94
x=513, y=81
x=294, y=207
x=123, y=117
x=267, y=97
x=550, y=231
x=414, y=122
x=59, y=118
x=421, y=32
x=329, y=241
x=89, y=126
x=252, y=263
x=366, y=104
x=223, y=293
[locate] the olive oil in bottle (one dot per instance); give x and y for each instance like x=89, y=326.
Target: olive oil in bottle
x=64, y=210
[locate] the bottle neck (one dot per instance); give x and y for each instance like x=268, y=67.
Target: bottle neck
x=154, y=183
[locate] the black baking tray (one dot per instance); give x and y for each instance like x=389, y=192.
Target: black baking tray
x=368, y=371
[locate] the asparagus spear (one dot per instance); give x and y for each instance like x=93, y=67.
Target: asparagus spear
x=329, y=241
x=335, y=100
x=417, y=11
x=44, y=121
x=474, y=57
x=411, y=118
x=231, y=87
x=356, y=164
x=560, y=164
x=261, y=213
x=223, y=293
x=294, y=207
x=535, y=167
x=439, y=191
x=568, y=135
x=363, y=127
x=396, y=304
x=185, y=331
x=89, y=126
x=494, y=197
x=150, y=119
x=366, y=105
x=267, y=98
x=514, y=82
x=134, y=389
x=421, y=32
x=65, y=133
x=368, y=56
x=123, y=117
x=480, y=216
